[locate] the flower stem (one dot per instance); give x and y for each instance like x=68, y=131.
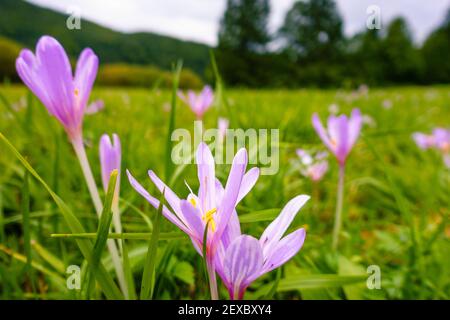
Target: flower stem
x=339, y=204
x=87, y=172
x=89, y=177
x=212, y=279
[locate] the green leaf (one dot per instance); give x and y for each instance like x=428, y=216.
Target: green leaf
x=318, y=281
x=185, y=272
x=49, y=257
x=25, y=208
x=148, y=280
x=53, y=276
x=2, y=217
x=109, y=287
x=262, y=215
x=103, y=228
x=163, y=236
x=128, y=272
x=347, y=267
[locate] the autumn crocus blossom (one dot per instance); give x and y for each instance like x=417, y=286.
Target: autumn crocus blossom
x=341, y=135
x=222, y=126
x=95, y=107
x=48, y=74
x=439, y=140
x=245, y=258
x=198, y=103
x=212, y=206
x=313, y=166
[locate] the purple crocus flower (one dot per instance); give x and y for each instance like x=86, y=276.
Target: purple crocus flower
x=313, y=166
x=341, y=135
x=442, y=139
x=199, y=103
x=213, y=205
x=439, y=140
x=48, y=74
x=95, y=107
x=246, y=258
x=423, y=141
x=222, y=126
x=110, y=158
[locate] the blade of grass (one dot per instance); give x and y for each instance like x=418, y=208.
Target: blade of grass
x=148, y=280
x=262, y=215
x=54, y=276
x=109, y=287
x=103, y=229
x=2, y=217
x=163, y=236
x=49, y=257
x=25, y=208
x=168, y=159
x=128, y=272
x=318, y=281
x=273, y=290
x=162, y=268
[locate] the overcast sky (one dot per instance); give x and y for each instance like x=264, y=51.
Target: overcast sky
x=199, y=19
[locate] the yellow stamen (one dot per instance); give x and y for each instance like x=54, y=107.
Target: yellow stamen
x=77, y=92
x=193, y=202
x=208, y=217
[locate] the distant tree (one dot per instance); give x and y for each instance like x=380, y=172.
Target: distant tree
x=244, y=26
x=364, y=60
x=435, y=53
x=9, y=50
x=402, y=59
x=313, y=30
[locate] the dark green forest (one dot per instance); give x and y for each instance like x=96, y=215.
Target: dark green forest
x=310, y=48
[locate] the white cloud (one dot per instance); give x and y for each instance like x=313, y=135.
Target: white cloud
x=199, y=19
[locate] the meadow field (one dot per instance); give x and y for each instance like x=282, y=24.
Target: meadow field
x=396, y=200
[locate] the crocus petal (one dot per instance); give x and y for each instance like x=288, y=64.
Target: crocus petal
x=94, y=107
x=155, y=203
x=193, y=219
x=317, y=124
x=110, y=158
x=206, y=177
x=193, y=103
x=342, y=137
x=56, y=74
x=26, y=66
x=278, y=227
x=248, y=182
x=316, y=171
x=233, y=228
x=85, y=75
x=354, y=128
x=285, y=249
x=243, y=260
x=172, y=199
x=206, y=98
x=422, y=140
x=231, y=192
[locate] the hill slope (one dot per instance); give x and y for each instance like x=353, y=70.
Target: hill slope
x=25, y=23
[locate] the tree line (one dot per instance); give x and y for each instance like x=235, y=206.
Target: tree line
x=310, y=49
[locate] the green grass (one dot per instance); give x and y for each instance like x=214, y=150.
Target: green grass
x=396, y=203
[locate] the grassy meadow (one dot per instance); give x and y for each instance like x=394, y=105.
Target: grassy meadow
x=396, y=203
